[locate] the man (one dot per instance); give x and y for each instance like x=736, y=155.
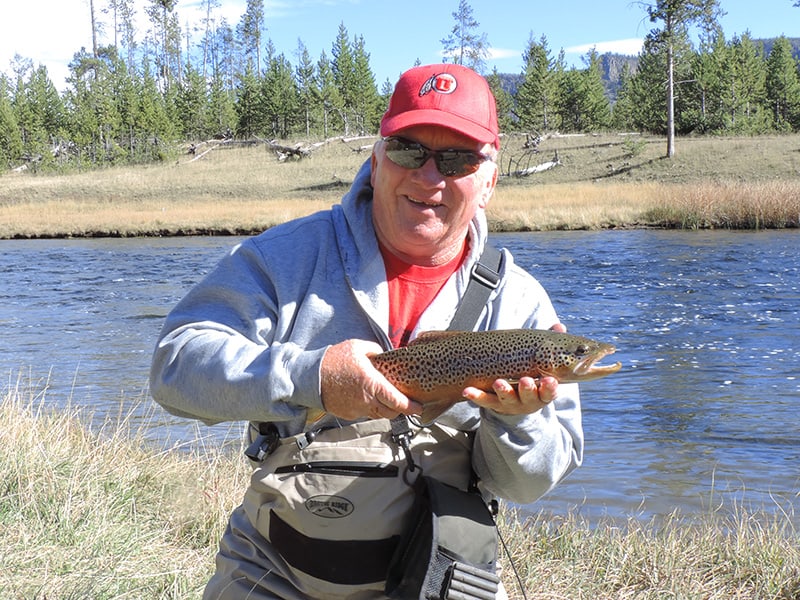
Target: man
x=281, y=332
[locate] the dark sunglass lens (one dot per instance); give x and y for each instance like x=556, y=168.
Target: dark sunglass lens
x=408, y=155
x=457, y=164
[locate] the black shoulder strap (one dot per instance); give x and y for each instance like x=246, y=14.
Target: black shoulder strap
x=485, y=278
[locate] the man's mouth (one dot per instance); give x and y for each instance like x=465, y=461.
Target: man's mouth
x=418, y=202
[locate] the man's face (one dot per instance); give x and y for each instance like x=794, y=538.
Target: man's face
x=420, y=215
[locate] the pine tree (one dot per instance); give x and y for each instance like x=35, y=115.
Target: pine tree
x=221, y=114
x=712, y=83
x=344, y=77
x=306, y=84
x=122, y=13
x=584, y=105
x=192, y=104
x=622, y=111
x=465, y=46
x=224, y=57
x=10, y=138
x=247, y=104
x=504, y=101
x=155, y=130
x=536, y=96
x=125, y=97
x=208, y=34
x=596, y=108
x=329, y=98
x=40, y=114
x=279, y=98
x=748, y=90
x=648, y=103
x=783, y=86
x=367, y=104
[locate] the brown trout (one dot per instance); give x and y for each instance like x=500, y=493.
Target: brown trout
x=436, y=367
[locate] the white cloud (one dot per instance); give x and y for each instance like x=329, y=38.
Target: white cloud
x=500, y=53
x=631, y=47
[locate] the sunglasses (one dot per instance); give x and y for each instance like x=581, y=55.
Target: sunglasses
x=450, y=163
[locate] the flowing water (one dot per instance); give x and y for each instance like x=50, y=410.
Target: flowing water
x=705, y=410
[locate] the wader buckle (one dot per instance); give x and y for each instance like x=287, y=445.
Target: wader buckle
x=401, y=434
x=265, y=443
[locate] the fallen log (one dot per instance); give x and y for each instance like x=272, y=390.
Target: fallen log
x=541, y=167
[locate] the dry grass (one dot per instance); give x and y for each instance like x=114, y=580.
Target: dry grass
x=714, y=556
x=101, y=513
x=603, y=181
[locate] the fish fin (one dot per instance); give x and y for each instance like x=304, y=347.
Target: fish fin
x=313, y=415
x=433, y=336
x=433, y=410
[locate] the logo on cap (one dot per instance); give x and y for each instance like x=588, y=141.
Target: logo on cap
x=444, y=83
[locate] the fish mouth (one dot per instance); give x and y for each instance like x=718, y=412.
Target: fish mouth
x=588, y=368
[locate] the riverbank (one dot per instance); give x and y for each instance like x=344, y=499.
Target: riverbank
x=604, y=181
x=104, y=514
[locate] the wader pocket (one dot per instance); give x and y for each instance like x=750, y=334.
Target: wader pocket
x=449, y=550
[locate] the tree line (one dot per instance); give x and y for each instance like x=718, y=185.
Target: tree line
x=134, y=100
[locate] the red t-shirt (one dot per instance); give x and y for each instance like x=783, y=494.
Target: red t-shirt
x=411, y=289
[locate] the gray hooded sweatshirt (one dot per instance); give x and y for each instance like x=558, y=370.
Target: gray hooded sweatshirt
x=246, y=343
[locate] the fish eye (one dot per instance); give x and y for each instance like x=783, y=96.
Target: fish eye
x=582, y=349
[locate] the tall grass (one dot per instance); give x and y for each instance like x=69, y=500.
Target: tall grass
x=729, y=205
x=720, y=555
x=103, y=514
x=100, y=513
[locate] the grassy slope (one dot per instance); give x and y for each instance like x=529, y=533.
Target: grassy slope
x=602, y=181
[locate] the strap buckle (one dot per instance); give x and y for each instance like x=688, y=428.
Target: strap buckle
x=485, y=275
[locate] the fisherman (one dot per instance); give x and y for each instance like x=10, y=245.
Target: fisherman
x=282, y=331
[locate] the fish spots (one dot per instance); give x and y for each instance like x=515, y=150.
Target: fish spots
x=438, y=365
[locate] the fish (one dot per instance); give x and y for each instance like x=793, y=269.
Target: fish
x=434, y=368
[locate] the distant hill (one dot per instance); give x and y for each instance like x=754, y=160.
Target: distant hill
x=612, y=67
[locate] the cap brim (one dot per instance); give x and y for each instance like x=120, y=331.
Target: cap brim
x=413, y=118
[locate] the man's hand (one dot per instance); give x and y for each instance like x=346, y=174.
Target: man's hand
x=530, y=396
x=353, y=388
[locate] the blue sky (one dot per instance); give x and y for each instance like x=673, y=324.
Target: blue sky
x=396, y=34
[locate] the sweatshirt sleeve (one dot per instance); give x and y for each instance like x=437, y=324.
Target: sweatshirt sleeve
x=221, y=357
x=520, y=458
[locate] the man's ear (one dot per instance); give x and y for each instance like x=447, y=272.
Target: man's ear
x=373, y=164
x=489, y=185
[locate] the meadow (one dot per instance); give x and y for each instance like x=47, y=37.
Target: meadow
x=96, y=512
x=600, y=181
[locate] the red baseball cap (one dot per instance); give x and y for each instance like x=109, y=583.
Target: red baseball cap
x=447, y=95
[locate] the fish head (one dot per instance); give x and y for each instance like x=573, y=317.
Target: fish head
x=575, y=358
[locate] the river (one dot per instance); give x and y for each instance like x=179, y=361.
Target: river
x=706, y=325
